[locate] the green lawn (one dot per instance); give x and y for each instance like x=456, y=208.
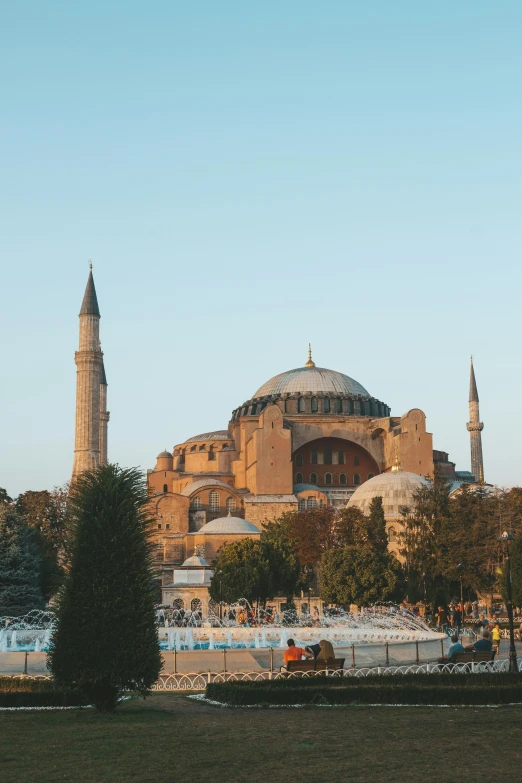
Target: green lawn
x=169, y=738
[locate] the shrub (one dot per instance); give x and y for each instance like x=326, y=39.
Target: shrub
x=399, y=689
x=25, y=692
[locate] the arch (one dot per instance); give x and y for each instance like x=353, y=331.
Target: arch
x=338, y=405
x=314, y=405
x=165, y=488
x=211, y=453
x=371, y=475
x=196, y=605
x=213, y=500
x=301, y=405
x=342, y=478
x=356, y=479
x=313, y=478
x=326, y=405
x=327, y=478
x=179, y=604
x=298, y=478
x=231, y=505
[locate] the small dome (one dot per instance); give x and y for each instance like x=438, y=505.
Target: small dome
x=229, y=526
x=196, y=561
x=164, y=455
x=397, y=490
x=311, y=379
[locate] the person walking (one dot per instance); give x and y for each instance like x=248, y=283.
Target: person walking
x=496, y=636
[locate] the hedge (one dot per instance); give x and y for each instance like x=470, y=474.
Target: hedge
x=25, y=692
x=402, y=689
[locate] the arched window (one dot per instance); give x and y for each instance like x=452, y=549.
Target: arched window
x=231, y=504
x=195, y=504
x=195, y=604
x=302, y=504
x=298, y=478
x=314, y=405
x=326, y=405
x=301, y=405
x=340, y=457
x=327, y=478
x=327, y=455
x=211, y=453
x=356, y=460
x=356, y=479
x=213, y=500
x=392, y=534
x=313, y=478
x=178, y=604
x=371, y=475
x=342, y=478
x=313, y=457
x=339, y=405
x=165, y=488
x=311, y=502
x=287, y=408
x=298, y=460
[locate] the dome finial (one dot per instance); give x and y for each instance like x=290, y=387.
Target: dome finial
x=310, y=362
x=90, y=264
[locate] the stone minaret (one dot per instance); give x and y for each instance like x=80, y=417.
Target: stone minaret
x=104, y=416
x=90, y=445
x=475, y=427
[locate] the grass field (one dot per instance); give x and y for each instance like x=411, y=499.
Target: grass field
x=170, y=738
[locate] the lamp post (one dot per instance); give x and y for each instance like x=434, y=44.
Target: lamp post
x=505, y=538
x=220, y=574
x=460, y=569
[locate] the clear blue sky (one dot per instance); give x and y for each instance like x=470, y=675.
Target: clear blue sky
x=249, y=177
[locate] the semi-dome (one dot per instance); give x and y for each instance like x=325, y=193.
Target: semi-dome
x=229, y=526
x=397, y=490
x=216, y=435
x=310, y=379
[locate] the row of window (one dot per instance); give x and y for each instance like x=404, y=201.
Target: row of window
x=305, y=503
x=326, y=457
x=328, y=478
x=214, y=503
x=335, y=405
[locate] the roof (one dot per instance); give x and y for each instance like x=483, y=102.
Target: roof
x=207, y=482
x=164, y=454
x=228, y=526
x=216, y=435
x=473, y=393
x=196, y=561
x=311, y=379
x=396, y=488
x=90, y=300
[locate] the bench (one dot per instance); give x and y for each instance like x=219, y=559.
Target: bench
x=332, y=664
x=474, y=656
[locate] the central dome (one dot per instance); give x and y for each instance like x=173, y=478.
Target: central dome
x=311, y=379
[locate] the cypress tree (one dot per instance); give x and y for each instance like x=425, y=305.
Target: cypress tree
x=106, y=640
x=20, y=563
x=377, y=537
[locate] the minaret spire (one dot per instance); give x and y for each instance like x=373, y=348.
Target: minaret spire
x=90, y=383
x=475, y=427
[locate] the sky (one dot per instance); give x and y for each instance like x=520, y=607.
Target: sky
x=248, y=178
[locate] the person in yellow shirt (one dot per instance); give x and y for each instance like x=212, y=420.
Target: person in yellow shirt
x=496, y=636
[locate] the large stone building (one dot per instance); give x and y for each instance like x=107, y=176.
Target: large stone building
x=309, y=436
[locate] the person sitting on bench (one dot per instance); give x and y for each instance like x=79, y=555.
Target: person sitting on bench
x=482, y=645
x=455, y=648
x=327, y=652
x=294, y=653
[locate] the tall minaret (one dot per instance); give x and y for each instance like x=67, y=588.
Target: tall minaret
x=89, y=363
x=104, y=416
x=475, y=427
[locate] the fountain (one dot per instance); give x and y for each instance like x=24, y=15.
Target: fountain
x=14, y=645
x=171, y=642
x=211, y=641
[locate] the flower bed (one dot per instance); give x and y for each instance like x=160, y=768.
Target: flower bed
x=452, y=689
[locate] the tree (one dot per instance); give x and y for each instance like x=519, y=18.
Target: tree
x=312, y=532
x=358, y=575
x=284, y=565
x=19, y=566
x=46, y=514
x=377, y=537
x=241, y=570
x=4, y=497
x=516, y=571
x=105, y=640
